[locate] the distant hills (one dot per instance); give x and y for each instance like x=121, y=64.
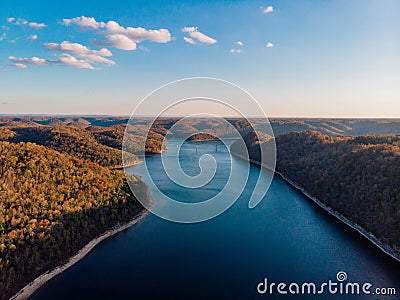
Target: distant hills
x=280, y=126
x=333, y=127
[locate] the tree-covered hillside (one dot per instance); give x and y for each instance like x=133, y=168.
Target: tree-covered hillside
x=51, y=205
x=74, y=141
x=217, y=127
x=356, y=176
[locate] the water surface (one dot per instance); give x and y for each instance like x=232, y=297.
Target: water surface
x=286, y=238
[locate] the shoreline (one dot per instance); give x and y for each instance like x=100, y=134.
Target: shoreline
x=393, y=253
x=34, y=285
x=204, y=141
x=123, y=167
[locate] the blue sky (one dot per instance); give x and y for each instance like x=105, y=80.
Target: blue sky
x=325, y=58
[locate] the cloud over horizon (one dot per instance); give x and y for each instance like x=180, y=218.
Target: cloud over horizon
x=64, y=59
x=31, y=61
x=104, y=35
x=233, y=50
x=118, y=41
x=195, y=34
x=21, y=22
x=189, y=40
x=82, y=51
x=76, y=63
x=33, y=37
x=117, y=36
x=20, y=66
x=269, y=45
x=268, y=9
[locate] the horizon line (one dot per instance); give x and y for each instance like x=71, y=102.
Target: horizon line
x=180, y=116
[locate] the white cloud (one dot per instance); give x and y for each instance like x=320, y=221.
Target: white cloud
x=20, y=66
x=37, y=25
x=3, y=36
x=201, y=37
x=239, y=43
x=189, y=29
x=84, y=22
x=31, y=61
x=144, y=49
x=268, y=9
x=33, y=37
x=118, y=41
x=235, y=51
x=269, y=45
x=139, y=34
x=82, y=52
x=76, y=63
x=20, y=21
x=189, y=40
x=66, y=59
x=117, y=36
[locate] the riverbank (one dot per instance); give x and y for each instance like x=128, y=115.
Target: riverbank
x=127, y=166
x=394, y=253
x=202, y=137
x=30, y=288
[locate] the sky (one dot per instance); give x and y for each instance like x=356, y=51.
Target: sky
x=296, y=58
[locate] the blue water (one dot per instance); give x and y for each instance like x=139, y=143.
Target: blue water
x=286, y=238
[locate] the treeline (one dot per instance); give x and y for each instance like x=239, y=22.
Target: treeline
x=251, y=147
x=113, y=137
x=328, y=126
x=51, y=205
x=74, y=141
x=98, y=144
x=101, y=145
x=356, y=176
x=202, y=137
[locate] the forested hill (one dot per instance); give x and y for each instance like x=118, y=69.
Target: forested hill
x=51, y=205
x=101, y=145
x=202, y=137
x=356, y=176
x=252, y=142
x=331, y=127
x=74, y=141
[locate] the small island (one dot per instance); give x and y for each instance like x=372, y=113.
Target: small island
x=202, y=137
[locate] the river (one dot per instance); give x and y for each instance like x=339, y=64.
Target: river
x=286, y=238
